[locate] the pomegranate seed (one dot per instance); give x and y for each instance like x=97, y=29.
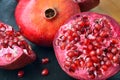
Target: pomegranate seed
x=73, y=47
x=81, y=24
x=9, y=33
x=67, y=63
x=99, y=39
x=103, y=34
x=9, y=56
x=115, y=59
x=105, y=58
x=99, y=52
x=6, y=41
x=94, y=58
x=70, y=38
x=74, y=35
x=92, y=68
x=104, y=67
x=57, y=42
x=45, y=60
x=92, y=53
x=114, y=41
x=74, y=29
x=68, y=46
x=88, y=59
x=62, y=46
x=77, y=62
x=95, y=31
x=90, y=47
x=85, y=18
x=114, y=50
x=72, y=67
x=108, y=63
x=86, y=41
x=20, y=74
x=45, y=72
x=18, y=34
x=89, y=64
x=71, y=54
x=76, y=39
x=110, y=56
x=95, y=43
x=82, y=63
x=98, y=26
x=87, y=23
x=15, y=40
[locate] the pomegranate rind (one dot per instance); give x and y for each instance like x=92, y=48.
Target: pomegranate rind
x=61, y=54
x=29, y=15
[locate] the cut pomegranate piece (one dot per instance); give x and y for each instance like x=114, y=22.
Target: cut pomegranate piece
x=15, y=52
x=96, y=38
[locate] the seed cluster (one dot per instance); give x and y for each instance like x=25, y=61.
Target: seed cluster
x=93, y=47
x=9, y=38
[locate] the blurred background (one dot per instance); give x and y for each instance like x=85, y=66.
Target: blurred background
x=109, y=7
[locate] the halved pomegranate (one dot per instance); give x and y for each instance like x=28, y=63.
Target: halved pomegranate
x=86, y=5
x=15, y=52
x=88, y=46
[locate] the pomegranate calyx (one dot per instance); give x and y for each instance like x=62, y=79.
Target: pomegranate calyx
x=50, y=13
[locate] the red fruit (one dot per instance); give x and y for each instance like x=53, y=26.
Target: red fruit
x=20, y=74
x=15, y=52
x=86, y=5
x=45, y=60
x=97, y=54
x=39, y=20
x=44, y=72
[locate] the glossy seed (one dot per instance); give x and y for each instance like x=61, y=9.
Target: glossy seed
x=20, y=74
x=45, y=72
x=45, y=60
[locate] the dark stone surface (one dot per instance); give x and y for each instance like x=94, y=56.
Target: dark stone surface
x=33, y=71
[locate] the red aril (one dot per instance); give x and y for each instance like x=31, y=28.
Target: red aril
x=45, y=72
x=20, y=74
x=15, y=52
x=97, y=41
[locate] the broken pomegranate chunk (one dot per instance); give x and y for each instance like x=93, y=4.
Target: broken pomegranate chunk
x=15, y=52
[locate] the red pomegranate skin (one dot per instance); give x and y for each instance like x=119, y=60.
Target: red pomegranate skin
x=87, y=47
x=15, y=52
x=30, y=17
x=86, y=5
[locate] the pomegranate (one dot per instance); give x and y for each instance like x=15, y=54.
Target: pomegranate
x=39, y=20
x=45, y=60
x=45, y=72
x=86, y=5
x=20, y=73
x=15, y=52
x=87, y=47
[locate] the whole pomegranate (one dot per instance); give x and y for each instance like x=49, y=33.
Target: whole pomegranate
x=39, y=20
x=87, y=47
x=86, y=5
x=15, y=52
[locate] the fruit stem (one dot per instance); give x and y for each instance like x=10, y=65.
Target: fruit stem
x=50, y=13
